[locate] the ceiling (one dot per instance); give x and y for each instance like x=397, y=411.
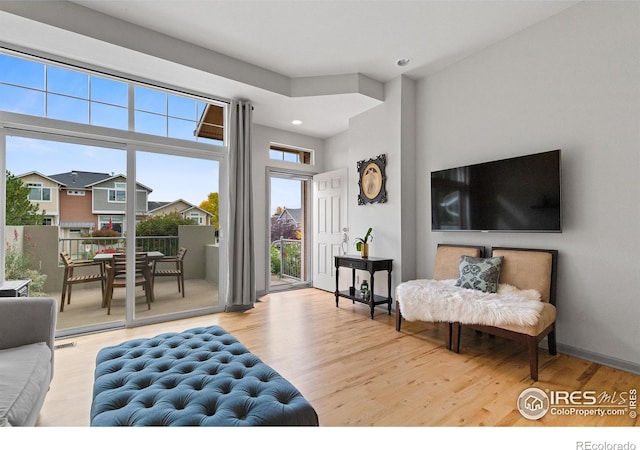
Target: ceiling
x=321, y=62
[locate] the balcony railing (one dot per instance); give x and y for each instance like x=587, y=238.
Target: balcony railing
x=286, y=258
x=86, y=247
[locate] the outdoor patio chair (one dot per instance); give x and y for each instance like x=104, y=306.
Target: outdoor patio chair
x=176, y=271
x=70, y=278
x=116, y=271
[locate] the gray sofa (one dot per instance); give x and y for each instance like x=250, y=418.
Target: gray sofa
x=27, y=331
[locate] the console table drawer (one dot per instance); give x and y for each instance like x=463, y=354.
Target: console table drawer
x=360, y=265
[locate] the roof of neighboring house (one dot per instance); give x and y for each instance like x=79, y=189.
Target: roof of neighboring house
x=211, y=124
x=77, y=179
x=34, y=172
x=154, y=206
x=293, y=213
x=116, y=176
x=197, y=208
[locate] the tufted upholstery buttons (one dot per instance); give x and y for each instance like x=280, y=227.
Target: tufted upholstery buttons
x=200, y=377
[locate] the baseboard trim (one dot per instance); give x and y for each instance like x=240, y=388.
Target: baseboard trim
x=599, y=358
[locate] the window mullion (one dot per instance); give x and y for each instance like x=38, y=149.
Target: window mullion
x=89, y=100
x=131, y=107
x=46, y=90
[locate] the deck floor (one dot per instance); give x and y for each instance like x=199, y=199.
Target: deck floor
x=86, y=303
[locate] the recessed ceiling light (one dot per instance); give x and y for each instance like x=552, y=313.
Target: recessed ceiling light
x=403, y=62
x=296, y=122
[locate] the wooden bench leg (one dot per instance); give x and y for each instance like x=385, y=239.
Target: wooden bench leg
x=398, y=316
x=532, y=343
x=455, y=336
x=551, y=340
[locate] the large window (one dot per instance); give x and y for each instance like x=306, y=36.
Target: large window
x=57, y=92
x=37, y=193
x=119, y=193
x=115, y=223
x=71, y=131
x=196, y=217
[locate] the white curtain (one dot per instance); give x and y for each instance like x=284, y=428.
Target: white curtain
x=241, y=290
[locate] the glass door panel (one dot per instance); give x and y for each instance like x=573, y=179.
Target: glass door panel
x=65, y=198
x=177, y=222
x=288, y=224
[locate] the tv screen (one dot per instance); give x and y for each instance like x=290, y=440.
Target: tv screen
x=515, y=194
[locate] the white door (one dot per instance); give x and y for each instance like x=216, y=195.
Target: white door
x=330, y=232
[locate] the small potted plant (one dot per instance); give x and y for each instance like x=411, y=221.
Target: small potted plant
x=362, y=244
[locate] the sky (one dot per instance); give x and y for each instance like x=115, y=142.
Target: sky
x=285, y=193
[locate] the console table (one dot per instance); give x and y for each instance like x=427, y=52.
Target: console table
x=15, y=288
x=370, y=265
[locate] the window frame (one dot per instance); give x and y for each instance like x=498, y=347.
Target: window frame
x=117, y=188
x=36, y=185
x=302, y=156
x=201, y=101
x=196, y=216
x=116, y=219
x=132, y=142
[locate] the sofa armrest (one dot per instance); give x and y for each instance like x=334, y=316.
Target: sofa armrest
x=27, y=320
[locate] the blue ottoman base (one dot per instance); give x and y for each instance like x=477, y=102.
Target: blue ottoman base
x=200, y=377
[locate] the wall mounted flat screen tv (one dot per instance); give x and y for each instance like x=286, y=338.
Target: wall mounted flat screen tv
x=520, y=194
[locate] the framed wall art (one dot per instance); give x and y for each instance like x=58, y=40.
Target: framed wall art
x=372, y=180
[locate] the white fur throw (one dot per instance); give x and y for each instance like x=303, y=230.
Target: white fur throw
x=442, y=301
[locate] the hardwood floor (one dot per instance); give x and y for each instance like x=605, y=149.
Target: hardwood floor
x=359, y=372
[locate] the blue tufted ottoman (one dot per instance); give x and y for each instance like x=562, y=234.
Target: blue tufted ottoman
x=200, y=377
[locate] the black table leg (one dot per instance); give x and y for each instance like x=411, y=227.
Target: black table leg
x=337, y=283
x=389, y=289
x=372, y=302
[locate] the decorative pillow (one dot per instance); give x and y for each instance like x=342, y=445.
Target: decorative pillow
x=480, y=273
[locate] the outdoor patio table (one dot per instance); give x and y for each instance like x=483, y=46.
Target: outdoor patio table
x=106, y=257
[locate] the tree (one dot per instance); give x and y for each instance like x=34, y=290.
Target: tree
x=283, y=227
x=164, y=225
x=211, y=205
x=20, y=211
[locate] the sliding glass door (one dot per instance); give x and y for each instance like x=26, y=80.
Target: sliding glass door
x=66, y=203
x=181, y=221
x=74, y=203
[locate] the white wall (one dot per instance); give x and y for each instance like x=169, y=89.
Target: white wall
x=262, y=138
x=572, y=82
x=408, y=226
x=336, y=150
x=373, y=133
x=387, y=129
